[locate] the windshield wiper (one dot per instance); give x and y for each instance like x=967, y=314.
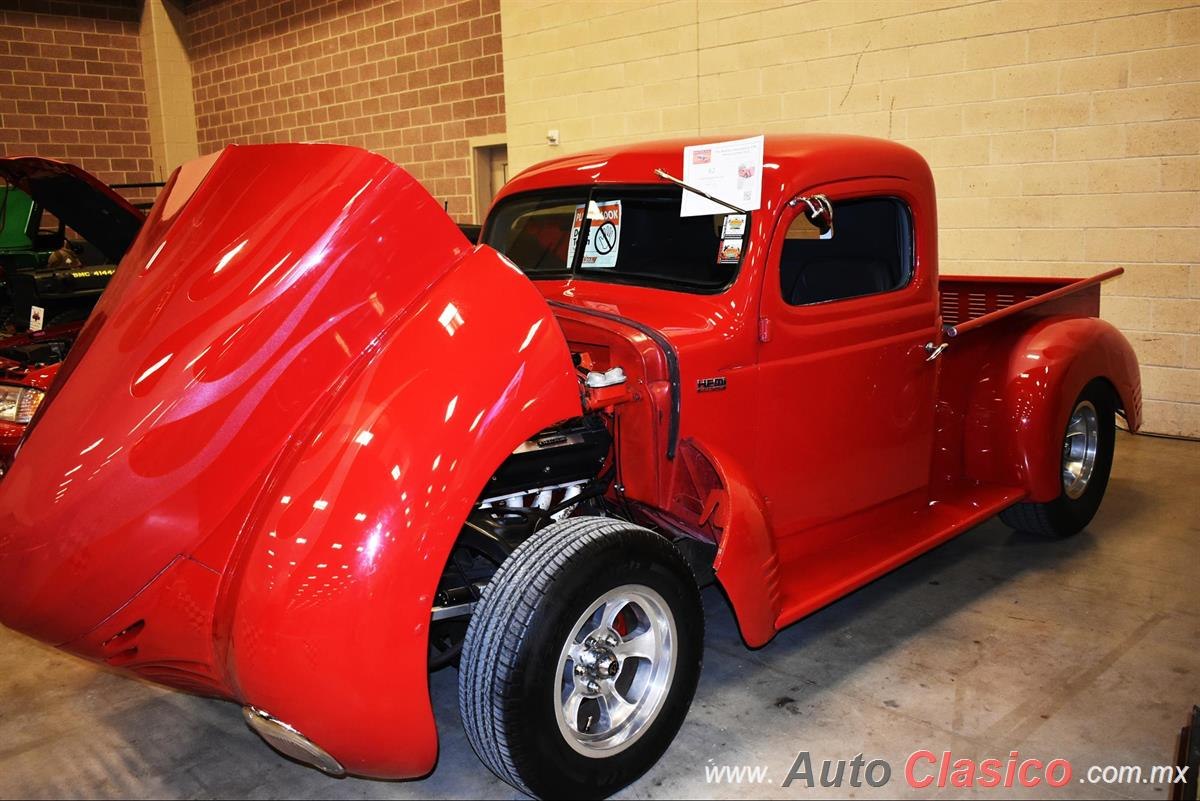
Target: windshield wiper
x=582, y=235
x=661, y=173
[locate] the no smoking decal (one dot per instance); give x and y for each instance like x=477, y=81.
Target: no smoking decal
x=604, y=239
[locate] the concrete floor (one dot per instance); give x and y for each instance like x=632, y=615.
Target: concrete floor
x=1085, y=649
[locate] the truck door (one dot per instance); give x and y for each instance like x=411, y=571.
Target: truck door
x=847, y=397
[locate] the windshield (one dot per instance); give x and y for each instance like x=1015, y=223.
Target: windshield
x=635, y=236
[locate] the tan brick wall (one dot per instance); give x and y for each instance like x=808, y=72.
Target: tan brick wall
x=412, y=80
x=71, y=87
x=1064, y=136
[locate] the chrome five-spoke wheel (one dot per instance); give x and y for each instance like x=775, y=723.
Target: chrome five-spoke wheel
x=615, y=671
x=582, y=658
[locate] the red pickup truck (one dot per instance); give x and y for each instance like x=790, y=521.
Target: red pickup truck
x=352, y=446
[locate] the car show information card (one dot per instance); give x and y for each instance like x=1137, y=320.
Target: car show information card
x=731, y=171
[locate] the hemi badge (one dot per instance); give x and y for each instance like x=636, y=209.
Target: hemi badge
x=710, y=384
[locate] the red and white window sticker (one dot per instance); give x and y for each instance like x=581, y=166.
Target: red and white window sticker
x=604, y=240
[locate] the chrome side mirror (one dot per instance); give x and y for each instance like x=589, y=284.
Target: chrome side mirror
x=818, y=211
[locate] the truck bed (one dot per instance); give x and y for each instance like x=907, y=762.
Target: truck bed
x=969, y=301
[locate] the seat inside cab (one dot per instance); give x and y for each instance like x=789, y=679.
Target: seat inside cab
x=870, y=251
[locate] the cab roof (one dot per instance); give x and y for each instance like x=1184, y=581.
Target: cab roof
x=791, y=162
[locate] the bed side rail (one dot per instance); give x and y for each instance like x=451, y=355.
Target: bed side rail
x=969, y=302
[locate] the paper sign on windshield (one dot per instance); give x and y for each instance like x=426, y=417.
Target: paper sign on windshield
x=604, y=240
x=731, y=171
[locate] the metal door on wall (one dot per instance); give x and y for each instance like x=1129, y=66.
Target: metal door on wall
x=491, y=173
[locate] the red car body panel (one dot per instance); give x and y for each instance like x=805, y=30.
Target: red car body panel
x=10, y=438
x=439, y=431
x=19, y=374
x=308, y=413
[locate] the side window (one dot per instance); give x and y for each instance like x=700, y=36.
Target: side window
x=869, y=252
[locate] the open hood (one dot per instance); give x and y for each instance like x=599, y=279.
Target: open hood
x=79, y=199
x=262, y=275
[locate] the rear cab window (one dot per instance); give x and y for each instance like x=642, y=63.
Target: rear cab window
x=635, y=236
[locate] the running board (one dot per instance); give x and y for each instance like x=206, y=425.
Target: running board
x=868, y=556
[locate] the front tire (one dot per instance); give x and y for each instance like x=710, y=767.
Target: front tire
x=581, y=659
x=1087, y=457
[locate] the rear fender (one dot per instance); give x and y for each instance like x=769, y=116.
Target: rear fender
x=326, y=615
x=1048, y=367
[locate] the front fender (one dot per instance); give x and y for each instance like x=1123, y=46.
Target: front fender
x=326, y=614
x=1049, y=366
x=747, y=565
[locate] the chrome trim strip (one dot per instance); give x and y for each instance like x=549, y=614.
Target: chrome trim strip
x=289, y=742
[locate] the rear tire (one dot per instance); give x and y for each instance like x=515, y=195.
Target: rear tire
x=581, y=659
x=1085, y=469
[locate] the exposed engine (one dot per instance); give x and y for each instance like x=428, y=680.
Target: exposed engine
x=547, y=478
x=66, y=290
x=552, y=467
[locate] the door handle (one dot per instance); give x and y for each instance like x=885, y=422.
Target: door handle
x=934, y=350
